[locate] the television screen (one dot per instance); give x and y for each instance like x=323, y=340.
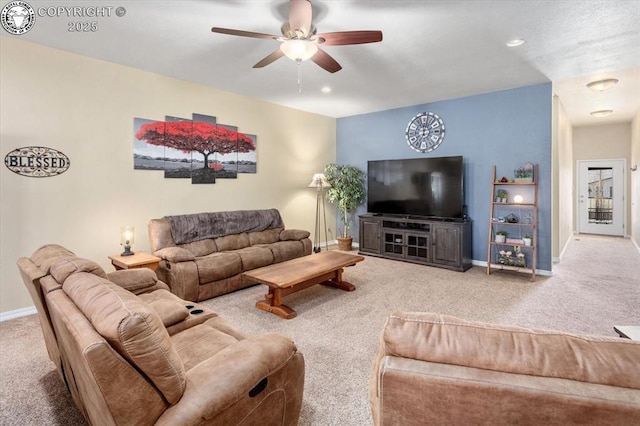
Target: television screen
x=428, y=187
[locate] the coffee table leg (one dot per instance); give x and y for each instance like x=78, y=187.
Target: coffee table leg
x=338, y=283
x=273, y=304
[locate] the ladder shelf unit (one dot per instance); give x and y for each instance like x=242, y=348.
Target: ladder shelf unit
x=518, y=215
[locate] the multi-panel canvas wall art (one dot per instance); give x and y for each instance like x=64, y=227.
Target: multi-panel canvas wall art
x=198, y=148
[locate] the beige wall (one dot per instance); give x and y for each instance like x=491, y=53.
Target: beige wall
x=635, y=179
x=85, y=108
x=562, y=153
x=607, y=141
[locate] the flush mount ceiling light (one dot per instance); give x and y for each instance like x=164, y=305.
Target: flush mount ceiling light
x=602, y=113
x=602, y=85
x=326, y=89
x=516, y=42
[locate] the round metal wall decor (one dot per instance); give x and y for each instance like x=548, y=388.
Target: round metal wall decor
x=425, y=132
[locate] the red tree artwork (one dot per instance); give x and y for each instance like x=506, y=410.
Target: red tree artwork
x=188, y=136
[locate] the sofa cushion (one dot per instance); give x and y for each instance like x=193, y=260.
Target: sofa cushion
x=255, y=257
x=286, y=250
x=202, y=247
x=64, y=267
x=169, y=311
x=137, y=280
x=217, y=266
x=267, y=236
x=132, y=328
x=233, y=242
x=199, y=343
x=450, y=340
x=48, y=255
x=294, y=235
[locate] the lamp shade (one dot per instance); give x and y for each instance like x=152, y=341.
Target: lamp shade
x=299, y=50
x=319, y=181
x=127, y=235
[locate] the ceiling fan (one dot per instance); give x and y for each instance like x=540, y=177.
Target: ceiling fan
x=299, y=40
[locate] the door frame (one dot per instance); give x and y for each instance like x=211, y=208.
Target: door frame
x=624, y=192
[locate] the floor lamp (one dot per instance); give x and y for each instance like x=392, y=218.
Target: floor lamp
x=319, y=182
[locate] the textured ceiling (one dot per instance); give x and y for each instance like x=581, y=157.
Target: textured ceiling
x=431, y=51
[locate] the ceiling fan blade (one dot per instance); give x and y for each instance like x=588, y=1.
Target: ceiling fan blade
x=243, y=33
x=342, y=38
x=300, y=16
x=272, y=57
x=325, y=61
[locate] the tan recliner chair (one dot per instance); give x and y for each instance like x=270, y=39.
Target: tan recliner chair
x=134, y=353
x=33, y=269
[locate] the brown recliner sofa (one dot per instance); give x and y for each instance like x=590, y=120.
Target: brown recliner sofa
x=131, y=352
x=439, y=369
x=204, y=254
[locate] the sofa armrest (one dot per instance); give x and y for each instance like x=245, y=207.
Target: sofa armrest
x=294, y=235
x=174, y=254
x=137, y=281
x=226, y=378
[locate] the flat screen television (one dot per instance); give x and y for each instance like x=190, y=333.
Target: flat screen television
x=426, y=187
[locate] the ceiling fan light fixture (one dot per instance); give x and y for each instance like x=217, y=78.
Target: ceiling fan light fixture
x=299, y=50
x=602, y=113
x=516, y=42
x=602, y=85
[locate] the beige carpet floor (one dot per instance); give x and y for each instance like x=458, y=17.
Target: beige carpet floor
x=596, y=286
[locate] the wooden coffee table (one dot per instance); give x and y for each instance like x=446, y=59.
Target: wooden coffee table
x=297, y=274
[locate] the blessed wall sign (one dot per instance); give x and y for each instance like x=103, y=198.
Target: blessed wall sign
x=37, y=161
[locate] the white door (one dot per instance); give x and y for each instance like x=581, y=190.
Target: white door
x=601, y=201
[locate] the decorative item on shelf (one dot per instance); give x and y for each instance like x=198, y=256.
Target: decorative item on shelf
x=501, y=196
x=504, y=180
x=515, y=241
x=524, y=174
x=527, y=239
x=347, y=191
x=526, y=218
x=512, y=218
x=319, y=182
x=518, y=199
x=501, y=237
x=511, y=258
x=126, y=240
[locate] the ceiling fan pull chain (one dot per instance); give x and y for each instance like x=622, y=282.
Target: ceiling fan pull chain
x=299, y=62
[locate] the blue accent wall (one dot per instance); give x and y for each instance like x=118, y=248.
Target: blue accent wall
x=507, y=129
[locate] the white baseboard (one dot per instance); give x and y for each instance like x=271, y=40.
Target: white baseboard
x=566, y=244
x=542, y=272
x=6, y=316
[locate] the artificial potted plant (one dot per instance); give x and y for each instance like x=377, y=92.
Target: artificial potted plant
x=501, y=236
x=347, y=192
x=527, y=239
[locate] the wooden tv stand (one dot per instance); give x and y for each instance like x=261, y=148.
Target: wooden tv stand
x=441, y=243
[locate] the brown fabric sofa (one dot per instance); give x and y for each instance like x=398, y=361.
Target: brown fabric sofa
x=204, y=254
x=131, y=352
x=438, y=369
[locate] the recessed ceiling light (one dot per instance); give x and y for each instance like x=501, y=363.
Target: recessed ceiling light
x=516, y=42
x=602, y=112
x=326, y=89
x=601, y=85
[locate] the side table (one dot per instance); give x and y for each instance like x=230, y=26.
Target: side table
x=138, y=260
